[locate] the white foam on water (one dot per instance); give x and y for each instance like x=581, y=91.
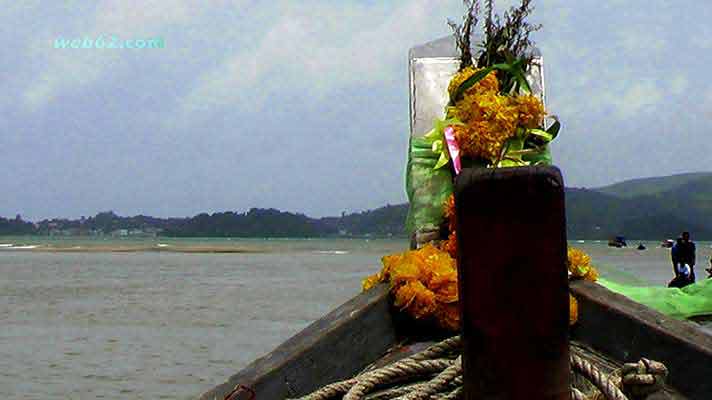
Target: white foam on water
x=6, y=244
x=162, y=245
x=581, y=241
x=332, y=252
x=24, y=247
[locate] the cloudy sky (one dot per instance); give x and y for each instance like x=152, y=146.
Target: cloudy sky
x=303, y=105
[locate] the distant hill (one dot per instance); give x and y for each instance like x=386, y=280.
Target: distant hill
x=594, y=215
x=652, y=186
x=650, y=208
x=384, y=221
x=254, y=223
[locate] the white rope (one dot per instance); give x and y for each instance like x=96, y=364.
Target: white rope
x=436, y=374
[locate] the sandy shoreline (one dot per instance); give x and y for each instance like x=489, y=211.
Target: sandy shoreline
x=133, y=249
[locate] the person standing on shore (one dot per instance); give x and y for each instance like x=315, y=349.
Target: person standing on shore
x=686, y=254
x=682, y=277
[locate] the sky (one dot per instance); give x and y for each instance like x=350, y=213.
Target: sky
x=303, y=105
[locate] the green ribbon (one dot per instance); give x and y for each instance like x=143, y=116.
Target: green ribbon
x=516, y=153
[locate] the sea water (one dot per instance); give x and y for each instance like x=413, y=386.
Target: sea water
x=80, y=321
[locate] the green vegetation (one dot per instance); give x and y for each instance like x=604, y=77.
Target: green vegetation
x=651, y=186
x=254, y=223
x=384, y=221
x=15, y=226
x=651, y=208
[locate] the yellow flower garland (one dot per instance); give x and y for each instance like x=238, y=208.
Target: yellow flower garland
x=490, y=118
x=424, y=283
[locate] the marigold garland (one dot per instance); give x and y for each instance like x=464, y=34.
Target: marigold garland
x=580, y=267
x=531, y=111
x=488, y=84
x=579, y=264
x=490, y=118
x=449, y=212
x=424, y=283
x=416, y=298
x=450, y=245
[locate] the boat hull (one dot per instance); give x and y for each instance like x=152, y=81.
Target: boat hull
x=366, y=331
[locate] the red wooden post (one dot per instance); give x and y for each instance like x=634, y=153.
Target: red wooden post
x=511, y=235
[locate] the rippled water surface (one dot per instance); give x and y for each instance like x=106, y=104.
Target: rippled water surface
x=170, y=325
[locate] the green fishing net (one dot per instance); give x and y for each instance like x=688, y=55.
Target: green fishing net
x=691, y=301
x=427, y=188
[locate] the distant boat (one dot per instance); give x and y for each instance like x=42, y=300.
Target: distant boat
x=618, y=241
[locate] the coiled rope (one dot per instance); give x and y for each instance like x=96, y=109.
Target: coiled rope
x=436, y=374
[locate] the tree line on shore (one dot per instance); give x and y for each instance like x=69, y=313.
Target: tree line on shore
x=386, y=221
x=651, y=208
